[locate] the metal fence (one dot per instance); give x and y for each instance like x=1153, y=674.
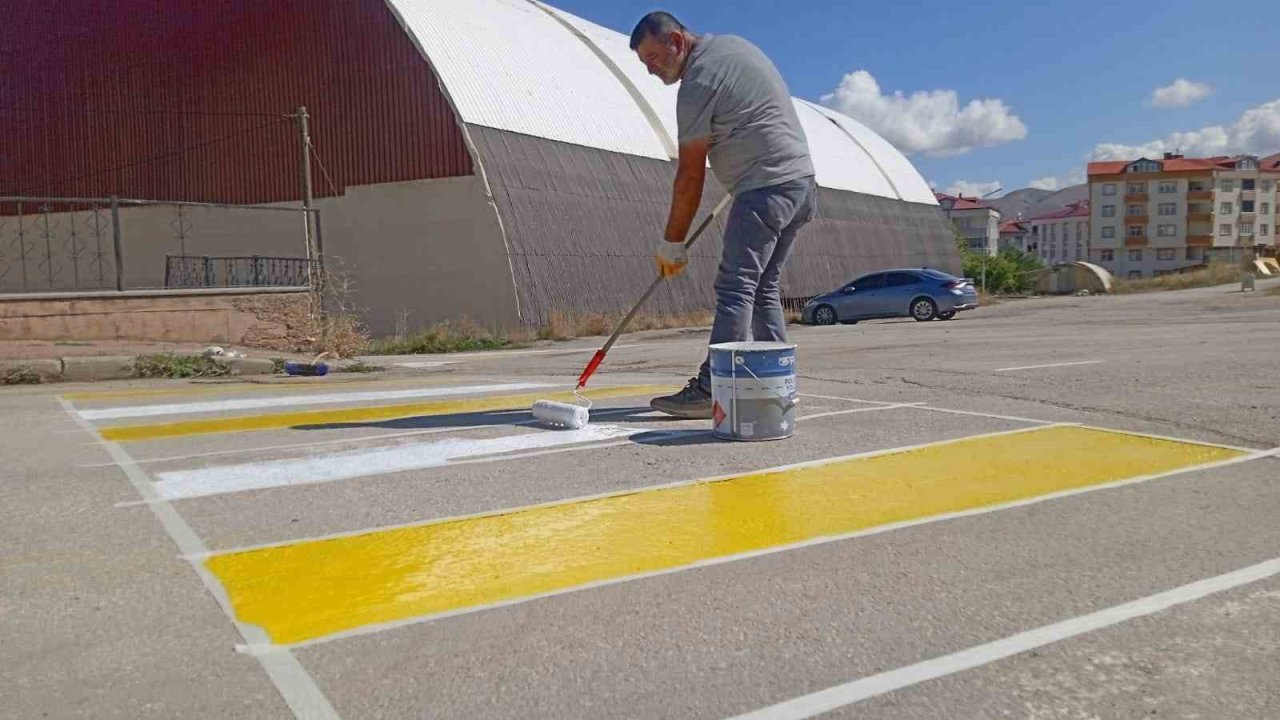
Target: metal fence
x=94, y=244
x=230, y=272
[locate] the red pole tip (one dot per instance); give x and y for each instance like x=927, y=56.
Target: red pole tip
x=591, y=368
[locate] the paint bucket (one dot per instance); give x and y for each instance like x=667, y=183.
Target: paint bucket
x=753, y=390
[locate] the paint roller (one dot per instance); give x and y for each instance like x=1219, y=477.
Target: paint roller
x=575, y=416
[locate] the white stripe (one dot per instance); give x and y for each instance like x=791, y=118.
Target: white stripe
x=1035, y=367
x=1015, y=418
x=423, y=365
x=286, y=401
x=843, y=695
x=371, y=629
x=183, y=484
x=288, y=676
x=845, y=399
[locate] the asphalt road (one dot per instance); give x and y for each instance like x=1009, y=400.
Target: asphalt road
x=1049, y=508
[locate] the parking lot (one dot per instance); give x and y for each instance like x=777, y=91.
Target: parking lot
x=1050, y=508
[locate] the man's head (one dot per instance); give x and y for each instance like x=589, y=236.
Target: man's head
x=663, y=45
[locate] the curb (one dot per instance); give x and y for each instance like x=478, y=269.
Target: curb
x=91, y=368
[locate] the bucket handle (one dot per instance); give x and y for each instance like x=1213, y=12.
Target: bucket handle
x=788, y=402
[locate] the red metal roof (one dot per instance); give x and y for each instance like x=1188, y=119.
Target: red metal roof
x=961, y=202
x=186, y=101
x=1076, y=209
x=1013, y=227
x=1217, y=162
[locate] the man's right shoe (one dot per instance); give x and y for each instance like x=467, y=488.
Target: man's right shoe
x=691, y=403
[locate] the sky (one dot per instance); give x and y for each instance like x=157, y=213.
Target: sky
x=995, y=96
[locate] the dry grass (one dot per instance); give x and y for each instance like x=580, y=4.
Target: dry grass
x=457, y=336
x=21, y=375
x=292, y=325
x=565, y=326
x=1274, y=291
x=1215, y=274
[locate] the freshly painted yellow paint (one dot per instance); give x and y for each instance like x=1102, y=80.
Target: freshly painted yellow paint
x=315, y=588
x=276, y=421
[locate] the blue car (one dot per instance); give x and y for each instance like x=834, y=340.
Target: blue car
x=923, y=294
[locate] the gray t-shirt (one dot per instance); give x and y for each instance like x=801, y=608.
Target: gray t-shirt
x=733, y=94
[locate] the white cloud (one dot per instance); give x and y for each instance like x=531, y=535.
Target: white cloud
x=972, y=189
x=1058, y=182
x=929, y=122
x=1181, y=93
x=1257, y=132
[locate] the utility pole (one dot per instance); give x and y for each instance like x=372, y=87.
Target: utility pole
x=308, y=227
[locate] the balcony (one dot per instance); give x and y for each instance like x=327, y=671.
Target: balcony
x=1199, y=240
x=1199, y=195
x=1135, y=241
x=1136, y=219
x=1206, y=217
x=1136, y=198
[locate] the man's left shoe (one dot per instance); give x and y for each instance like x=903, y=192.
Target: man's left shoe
x=691, y=403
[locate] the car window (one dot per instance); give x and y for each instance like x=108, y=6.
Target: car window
x=869, y=282
x=937, y=274
x=900, y=279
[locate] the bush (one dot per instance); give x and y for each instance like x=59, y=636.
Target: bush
x=1010, y=272
x=168, y=365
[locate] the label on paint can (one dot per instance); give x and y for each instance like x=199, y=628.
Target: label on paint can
x=753, y=389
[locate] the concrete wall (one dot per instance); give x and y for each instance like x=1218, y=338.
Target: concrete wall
x=222, y=316
x=431, y=249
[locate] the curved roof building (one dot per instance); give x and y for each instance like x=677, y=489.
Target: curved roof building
x=468, y=170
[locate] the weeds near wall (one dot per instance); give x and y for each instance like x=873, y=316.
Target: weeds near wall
x=21, y=375
x=169, y=365
x=1214, y=274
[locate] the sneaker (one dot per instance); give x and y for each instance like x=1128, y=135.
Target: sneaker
x=692, y=402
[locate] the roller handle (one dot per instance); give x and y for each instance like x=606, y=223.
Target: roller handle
x=599, y=356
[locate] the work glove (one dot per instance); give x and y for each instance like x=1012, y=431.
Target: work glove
x=671, y=257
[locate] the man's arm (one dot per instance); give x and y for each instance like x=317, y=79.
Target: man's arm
x=686, y=194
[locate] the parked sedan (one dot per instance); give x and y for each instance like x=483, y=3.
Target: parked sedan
x=923, y=294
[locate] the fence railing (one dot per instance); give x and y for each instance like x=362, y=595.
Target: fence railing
x=231, y=272
x=50, y=244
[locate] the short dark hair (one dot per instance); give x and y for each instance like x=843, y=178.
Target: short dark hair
x=654, y=24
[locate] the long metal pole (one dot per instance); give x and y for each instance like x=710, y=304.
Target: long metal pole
x=304, y=159
x=117, y=244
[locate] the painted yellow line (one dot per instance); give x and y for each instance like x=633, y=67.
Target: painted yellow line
x=277, y=421
x=315, y=588
x=249, y=386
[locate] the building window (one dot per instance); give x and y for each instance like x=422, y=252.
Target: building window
x=1227, y=185
x=1079, y=231
x=1226, y=208
x=1144, y=166
x=1224, y=229
x=1136, y=231
x=1136, y=210
x=1266, y=186
x=1108, y=211
x=1079, y=251
x=1195, y=253
x=1137, y=188
x=1108, y=256
x=1109, y=189
x=1247, y=184
x=1168, y=208
x=1168, y=186
x=1246, y=228
x=1246, y=206
x=1247, y=164
x=1262, y=229
x=1135, y=255
x=1264, y=208
x=1164, y=254
x=1135, y=274
x=1167, y=231
x=1108, y=232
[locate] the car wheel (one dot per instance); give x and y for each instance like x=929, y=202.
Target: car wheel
x=923, y=309
x=825, y=315
x=946, y=315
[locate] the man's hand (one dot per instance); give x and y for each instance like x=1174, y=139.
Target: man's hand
x=672, y=258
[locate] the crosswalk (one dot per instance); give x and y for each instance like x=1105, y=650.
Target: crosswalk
x=720, y=503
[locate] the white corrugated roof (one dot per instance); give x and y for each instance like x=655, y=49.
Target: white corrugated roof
x=526, y=67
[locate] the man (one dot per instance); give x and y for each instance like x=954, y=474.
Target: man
x=734, y=108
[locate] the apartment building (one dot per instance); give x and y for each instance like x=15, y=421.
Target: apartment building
x=1062, y=235
x=1151, y=217
x=1016, y=234
x=974, y=220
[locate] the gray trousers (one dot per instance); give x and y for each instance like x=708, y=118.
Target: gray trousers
x=758, y=236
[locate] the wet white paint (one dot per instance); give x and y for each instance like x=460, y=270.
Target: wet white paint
x=182, y=484
x=297, y=400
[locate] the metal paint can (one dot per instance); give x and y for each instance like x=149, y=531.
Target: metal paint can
x=753, y=390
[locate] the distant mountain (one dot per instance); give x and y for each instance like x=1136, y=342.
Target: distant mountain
x=1031, y=202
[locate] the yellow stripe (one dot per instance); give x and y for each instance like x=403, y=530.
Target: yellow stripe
x=315, y=588
x=277, y=421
